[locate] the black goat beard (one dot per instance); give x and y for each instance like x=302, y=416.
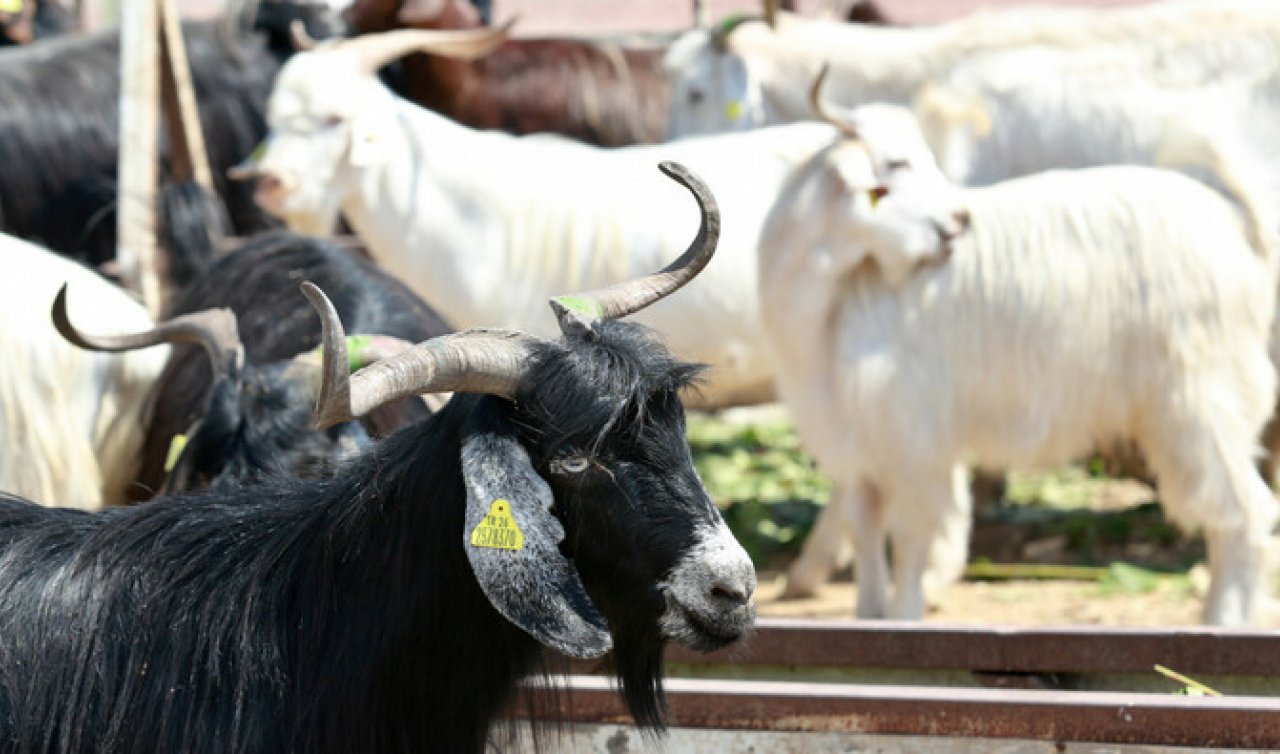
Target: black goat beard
x=637, y=663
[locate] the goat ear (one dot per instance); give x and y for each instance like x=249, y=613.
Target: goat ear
x=513, y=544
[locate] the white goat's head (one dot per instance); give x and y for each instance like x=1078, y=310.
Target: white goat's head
x=882, y=192
x=713, y=87
x=327, y=116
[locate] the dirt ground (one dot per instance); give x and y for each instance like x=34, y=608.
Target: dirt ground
x=1120, y=523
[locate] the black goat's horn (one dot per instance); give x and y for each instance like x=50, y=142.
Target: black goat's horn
x=822, y=109
x=580, y=312
x=214, y=329
x=472, y=361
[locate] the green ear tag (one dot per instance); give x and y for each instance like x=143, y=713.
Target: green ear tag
x=176, y=446
x=356, y=347
x=498, y=530
x=732, y=22
x=587, y=306
x=256, y=155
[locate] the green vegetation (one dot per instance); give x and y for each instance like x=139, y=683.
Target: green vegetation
x=1073, y=523
x=769, y=491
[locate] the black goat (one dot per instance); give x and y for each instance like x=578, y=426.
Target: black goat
x=59, y=128
x=552, y=503
x=241, y=404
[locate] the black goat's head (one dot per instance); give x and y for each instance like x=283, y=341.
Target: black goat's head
x=586, y=523
x=277, y=19
x=256, y=419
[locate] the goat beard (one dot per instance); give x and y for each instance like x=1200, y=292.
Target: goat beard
x=637, y=664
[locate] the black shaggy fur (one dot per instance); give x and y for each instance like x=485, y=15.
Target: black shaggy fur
x=255, y=422
x=342, y=615
x=59, y=124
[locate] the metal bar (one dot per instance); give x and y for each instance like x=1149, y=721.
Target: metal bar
x=916, y=646
x=1058, y=716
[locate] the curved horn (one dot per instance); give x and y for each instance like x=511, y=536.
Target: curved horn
x=578, y=313
x=302, y=40
x=473, y=361
x=214, y=329
x=373, y=51
x=771, y=13
x=822, y=110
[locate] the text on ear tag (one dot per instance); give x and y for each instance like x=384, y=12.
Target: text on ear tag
x=176, y=446
x=498, y=529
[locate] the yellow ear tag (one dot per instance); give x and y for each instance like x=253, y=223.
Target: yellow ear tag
x=11, y=6
x=176, y=446
x=733, y=109
x=498, y=529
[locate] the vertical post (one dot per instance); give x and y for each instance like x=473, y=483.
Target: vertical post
x=701, y=14
x=138, y=166
x=187, y=154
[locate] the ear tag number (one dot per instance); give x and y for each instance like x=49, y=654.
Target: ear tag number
x=498, y=530
x=733, y=109
x=176, y=446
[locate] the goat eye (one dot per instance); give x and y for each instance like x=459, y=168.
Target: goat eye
x=695, y=97
x=569, y=465
x=332, y=121
x=876, y=194
x=898, y=164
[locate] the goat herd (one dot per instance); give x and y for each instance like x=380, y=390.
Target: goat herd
x=1034, y=233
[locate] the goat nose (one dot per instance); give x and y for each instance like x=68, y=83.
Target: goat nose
x=733, y=591
x=961, y=217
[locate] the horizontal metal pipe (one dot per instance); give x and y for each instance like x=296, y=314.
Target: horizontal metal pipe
x=1059, y=716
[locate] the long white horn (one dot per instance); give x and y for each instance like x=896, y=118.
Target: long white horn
x=376, y=50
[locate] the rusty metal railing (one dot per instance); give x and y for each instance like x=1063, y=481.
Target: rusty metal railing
x=729, y=694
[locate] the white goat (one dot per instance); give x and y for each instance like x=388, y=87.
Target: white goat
x=1114, y=302
x=745, y=76
x=486, y=226
x=1015, y=113
x=72, y=420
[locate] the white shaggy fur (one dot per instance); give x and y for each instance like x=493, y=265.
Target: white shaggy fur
x=488, y=226
x=1015, y=113
x=72, y=420
x=760, y=76
x=1081, y=306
